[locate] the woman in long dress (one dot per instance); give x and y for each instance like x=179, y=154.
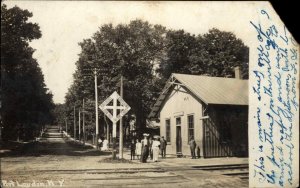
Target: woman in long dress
x=138, y=148
x=145, y=148
x=155, y=148
x=104, y=145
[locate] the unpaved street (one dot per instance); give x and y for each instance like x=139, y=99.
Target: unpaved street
x=55, y=161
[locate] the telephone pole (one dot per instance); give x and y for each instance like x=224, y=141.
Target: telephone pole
x=121, y=123
x=79, y=124
x=96, y=107
x=66, y=120
x=83, y=123
x=96, y=74
x=74, y=123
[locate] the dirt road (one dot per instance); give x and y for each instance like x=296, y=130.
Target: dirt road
x=55, y=162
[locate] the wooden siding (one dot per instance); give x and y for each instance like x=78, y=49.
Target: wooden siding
x=223, y=134
x=226, y=131
x=213, y=146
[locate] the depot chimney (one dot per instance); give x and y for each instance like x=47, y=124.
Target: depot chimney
x=237, y=72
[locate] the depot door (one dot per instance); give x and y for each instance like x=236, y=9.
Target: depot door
x=178, y=135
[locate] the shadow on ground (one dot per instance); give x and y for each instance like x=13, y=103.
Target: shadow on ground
x=37, y=149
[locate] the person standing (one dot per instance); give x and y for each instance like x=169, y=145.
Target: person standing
x=163, y=146
x=150, y=148
x=99, y=146
x=132, y=149
x=145, y=148
x=192, y=144
x=138, y=148
x=155, y=149
x=104, y=145
x=198, y=152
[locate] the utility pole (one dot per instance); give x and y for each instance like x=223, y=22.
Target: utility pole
x=95, y=72
x=83, y=123
x=66, y=120
x=79, y=124
x=96, y=107
x=105, y=122
x=121, y=123
x=74, y=123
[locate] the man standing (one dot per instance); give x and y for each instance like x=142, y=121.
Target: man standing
x=163, y=146
x=132, y=149
x=192, y=144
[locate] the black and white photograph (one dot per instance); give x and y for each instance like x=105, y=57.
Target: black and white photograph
x=148, y=94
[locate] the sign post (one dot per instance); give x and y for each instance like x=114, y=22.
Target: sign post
x=115, y=117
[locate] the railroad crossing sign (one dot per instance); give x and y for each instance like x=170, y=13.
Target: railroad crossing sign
x=114, y=117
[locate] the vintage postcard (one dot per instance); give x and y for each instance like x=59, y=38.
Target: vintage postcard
x=148, y=94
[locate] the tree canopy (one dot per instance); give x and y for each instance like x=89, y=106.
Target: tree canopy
x=146, y=55
x=26, y=102
x=128, y=50
x=215, y=53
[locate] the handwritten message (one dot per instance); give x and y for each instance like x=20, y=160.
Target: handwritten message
x=274, y=104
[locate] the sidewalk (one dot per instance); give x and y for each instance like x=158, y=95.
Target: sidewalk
x=69, y=138
x=172, y=160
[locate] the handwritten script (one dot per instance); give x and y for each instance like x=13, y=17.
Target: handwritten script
x=274, y=105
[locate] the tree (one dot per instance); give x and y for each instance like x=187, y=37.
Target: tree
x=178, y=47
x=130, y=50
x=59, y=114
x=26, y=100
x=215, y=53
x=146, y=56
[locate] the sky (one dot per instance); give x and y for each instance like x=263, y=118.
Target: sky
x=66, y=23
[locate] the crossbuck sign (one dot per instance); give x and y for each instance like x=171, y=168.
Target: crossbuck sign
x=114, y=117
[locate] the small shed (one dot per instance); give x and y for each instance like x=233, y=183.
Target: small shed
x=212, y=110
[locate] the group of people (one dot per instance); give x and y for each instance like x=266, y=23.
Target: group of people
x=148, y=147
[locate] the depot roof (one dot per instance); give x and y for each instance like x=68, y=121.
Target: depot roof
x=210, y=90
